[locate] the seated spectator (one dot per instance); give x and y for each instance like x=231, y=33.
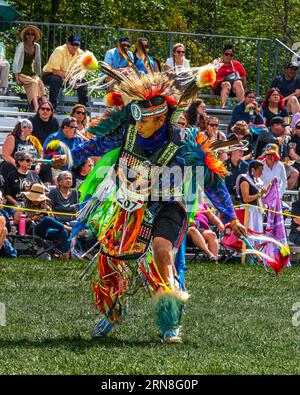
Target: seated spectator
x=248, y=111
x=44, y=122
x=66, y=134
x=277, y=135
x=6, y=249
x=274, y=135
x=294, y=144
x=27, y=64
x=21, y=139
x=64, y=199
x=45, y=226
x=235, y=166
x=289, y=85
x=80, y=173
x=80, y=113
x=274, y=106
x=115, y=59
x=230, y=77
x=294, y=235
x=4, y=72
x=196, y=115
x=212, y=131
x=273, y=167
x=241, y=131
x=138, y=61
x=250, y=189
x=20, y=178
x=177, y=62
x=201, y=234
x=55, y=70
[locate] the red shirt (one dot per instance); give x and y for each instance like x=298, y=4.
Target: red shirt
x=227, y=69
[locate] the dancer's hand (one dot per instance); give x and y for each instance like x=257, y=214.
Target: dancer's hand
x=238, y=230
x=59, y=161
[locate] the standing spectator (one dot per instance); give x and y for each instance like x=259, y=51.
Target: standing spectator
x=57, y=66
x=294, y=235
x=44, y=122
x=241, y=131
x=115, y=59
x=289, y=85
x=235, y=166
x=250, y=189
x=66, y=134
x=45, y=226
x=20, y=179
x=273, y=167
x=64, y=199
x=247, y=111
x=138, y=61
x=274, y=106
x=177, y=62
x=196, y=115
x=230, y=77
x=80, y=113
x=27, y=64
x=80, y=173
x=4, y=71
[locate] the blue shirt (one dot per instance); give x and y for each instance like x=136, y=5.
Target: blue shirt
x=239, y=114
x=140, y=65
x=71, y=143
x=115, y=60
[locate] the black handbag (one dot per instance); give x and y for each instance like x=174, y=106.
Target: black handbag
x=232, y=77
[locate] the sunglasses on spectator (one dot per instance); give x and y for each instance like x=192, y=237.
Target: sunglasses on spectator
x=27, y=160
x=213, y=125
x=126, y=45
x=297, y=127
x=80, y=112
x=73, y=127
x=181, y=123
x=30, y=34
x=45, y=109
x=180, y=51
x=229, y=54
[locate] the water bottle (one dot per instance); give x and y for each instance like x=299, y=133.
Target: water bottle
x=22, y=225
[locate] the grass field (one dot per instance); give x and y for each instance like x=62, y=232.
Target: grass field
x=238, y=321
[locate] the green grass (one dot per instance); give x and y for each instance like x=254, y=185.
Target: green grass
x=238, y=321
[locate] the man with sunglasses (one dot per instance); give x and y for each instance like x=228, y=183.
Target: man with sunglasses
x=66, y=134
x=115, y=59
x=54, y=72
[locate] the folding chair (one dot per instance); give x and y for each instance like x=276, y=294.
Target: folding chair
x=31, y=245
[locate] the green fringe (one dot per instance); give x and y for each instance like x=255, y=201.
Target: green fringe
x=168, y=312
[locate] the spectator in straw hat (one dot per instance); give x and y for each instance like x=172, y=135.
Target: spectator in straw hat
x=27, y=64
x=44, y=224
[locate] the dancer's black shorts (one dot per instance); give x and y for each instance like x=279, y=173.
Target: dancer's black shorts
x=169, y=222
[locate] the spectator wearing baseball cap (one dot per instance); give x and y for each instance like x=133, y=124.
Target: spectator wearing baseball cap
x=54, y=72
x=274, y=135
x=289, y=85
x=114, y=58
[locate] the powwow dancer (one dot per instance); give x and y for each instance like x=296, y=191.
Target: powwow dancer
x=139, y=221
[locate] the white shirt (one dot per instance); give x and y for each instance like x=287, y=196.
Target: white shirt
x=184, y=66
x=278, y=171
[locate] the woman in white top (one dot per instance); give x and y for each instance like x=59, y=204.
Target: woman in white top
x=27, y=64
x=177, y=62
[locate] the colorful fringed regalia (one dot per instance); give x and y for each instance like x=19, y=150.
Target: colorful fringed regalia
x=136, y=196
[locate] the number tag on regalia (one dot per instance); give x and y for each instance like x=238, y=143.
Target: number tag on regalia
x=128, y=200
